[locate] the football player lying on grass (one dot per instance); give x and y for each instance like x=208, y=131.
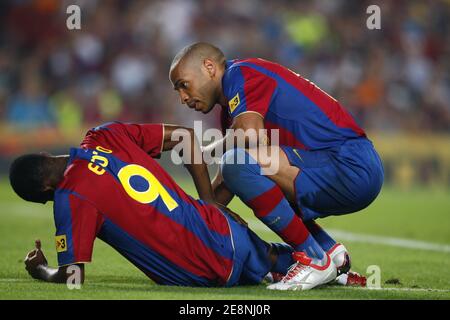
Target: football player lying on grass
x=111, y=188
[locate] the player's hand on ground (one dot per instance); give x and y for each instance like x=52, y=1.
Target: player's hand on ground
x=35, y=258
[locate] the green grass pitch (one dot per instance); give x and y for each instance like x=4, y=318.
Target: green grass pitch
x=406, y=273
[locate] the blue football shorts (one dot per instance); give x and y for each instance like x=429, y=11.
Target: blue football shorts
x=336, y=181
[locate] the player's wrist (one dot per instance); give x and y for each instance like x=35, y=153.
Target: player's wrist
x=37, y=271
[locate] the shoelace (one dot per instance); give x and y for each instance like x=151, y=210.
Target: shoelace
x=293, y=270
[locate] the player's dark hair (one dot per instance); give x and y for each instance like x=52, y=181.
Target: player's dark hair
x=27, y=175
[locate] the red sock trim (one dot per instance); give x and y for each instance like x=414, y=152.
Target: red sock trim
x=295, y=233
x=263, y=204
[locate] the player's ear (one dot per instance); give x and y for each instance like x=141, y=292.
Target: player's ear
x=210, y=67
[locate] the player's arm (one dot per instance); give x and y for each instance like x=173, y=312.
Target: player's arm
x=37, y=266
x=190, y=151
x=246, y=134
x=250, y=124
x=250, y=93
x=222, y=195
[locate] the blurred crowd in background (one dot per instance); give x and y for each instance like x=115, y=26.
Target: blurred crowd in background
x=116, y=66
x=55, y=83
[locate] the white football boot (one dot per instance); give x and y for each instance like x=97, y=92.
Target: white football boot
x=304, y=275
x=341, y=258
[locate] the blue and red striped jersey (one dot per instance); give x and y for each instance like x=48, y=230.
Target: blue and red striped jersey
x=114, y=190
x=306, y=117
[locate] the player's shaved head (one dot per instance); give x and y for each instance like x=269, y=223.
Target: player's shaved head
x=196, y=73
x=196, y=53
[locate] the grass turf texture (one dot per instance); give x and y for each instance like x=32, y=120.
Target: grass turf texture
x=418, y=214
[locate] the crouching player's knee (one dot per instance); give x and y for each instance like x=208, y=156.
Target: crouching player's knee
x=236, y=166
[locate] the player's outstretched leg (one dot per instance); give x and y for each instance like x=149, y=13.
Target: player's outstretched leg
x=243, y=176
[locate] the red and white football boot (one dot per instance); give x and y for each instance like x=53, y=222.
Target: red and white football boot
x=305, y=275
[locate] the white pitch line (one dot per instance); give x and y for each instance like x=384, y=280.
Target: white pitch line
x=390, y=241
x=393, y=289
x=108, y=284
x=332, y=287
x=373, y=239
x=14, y=280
